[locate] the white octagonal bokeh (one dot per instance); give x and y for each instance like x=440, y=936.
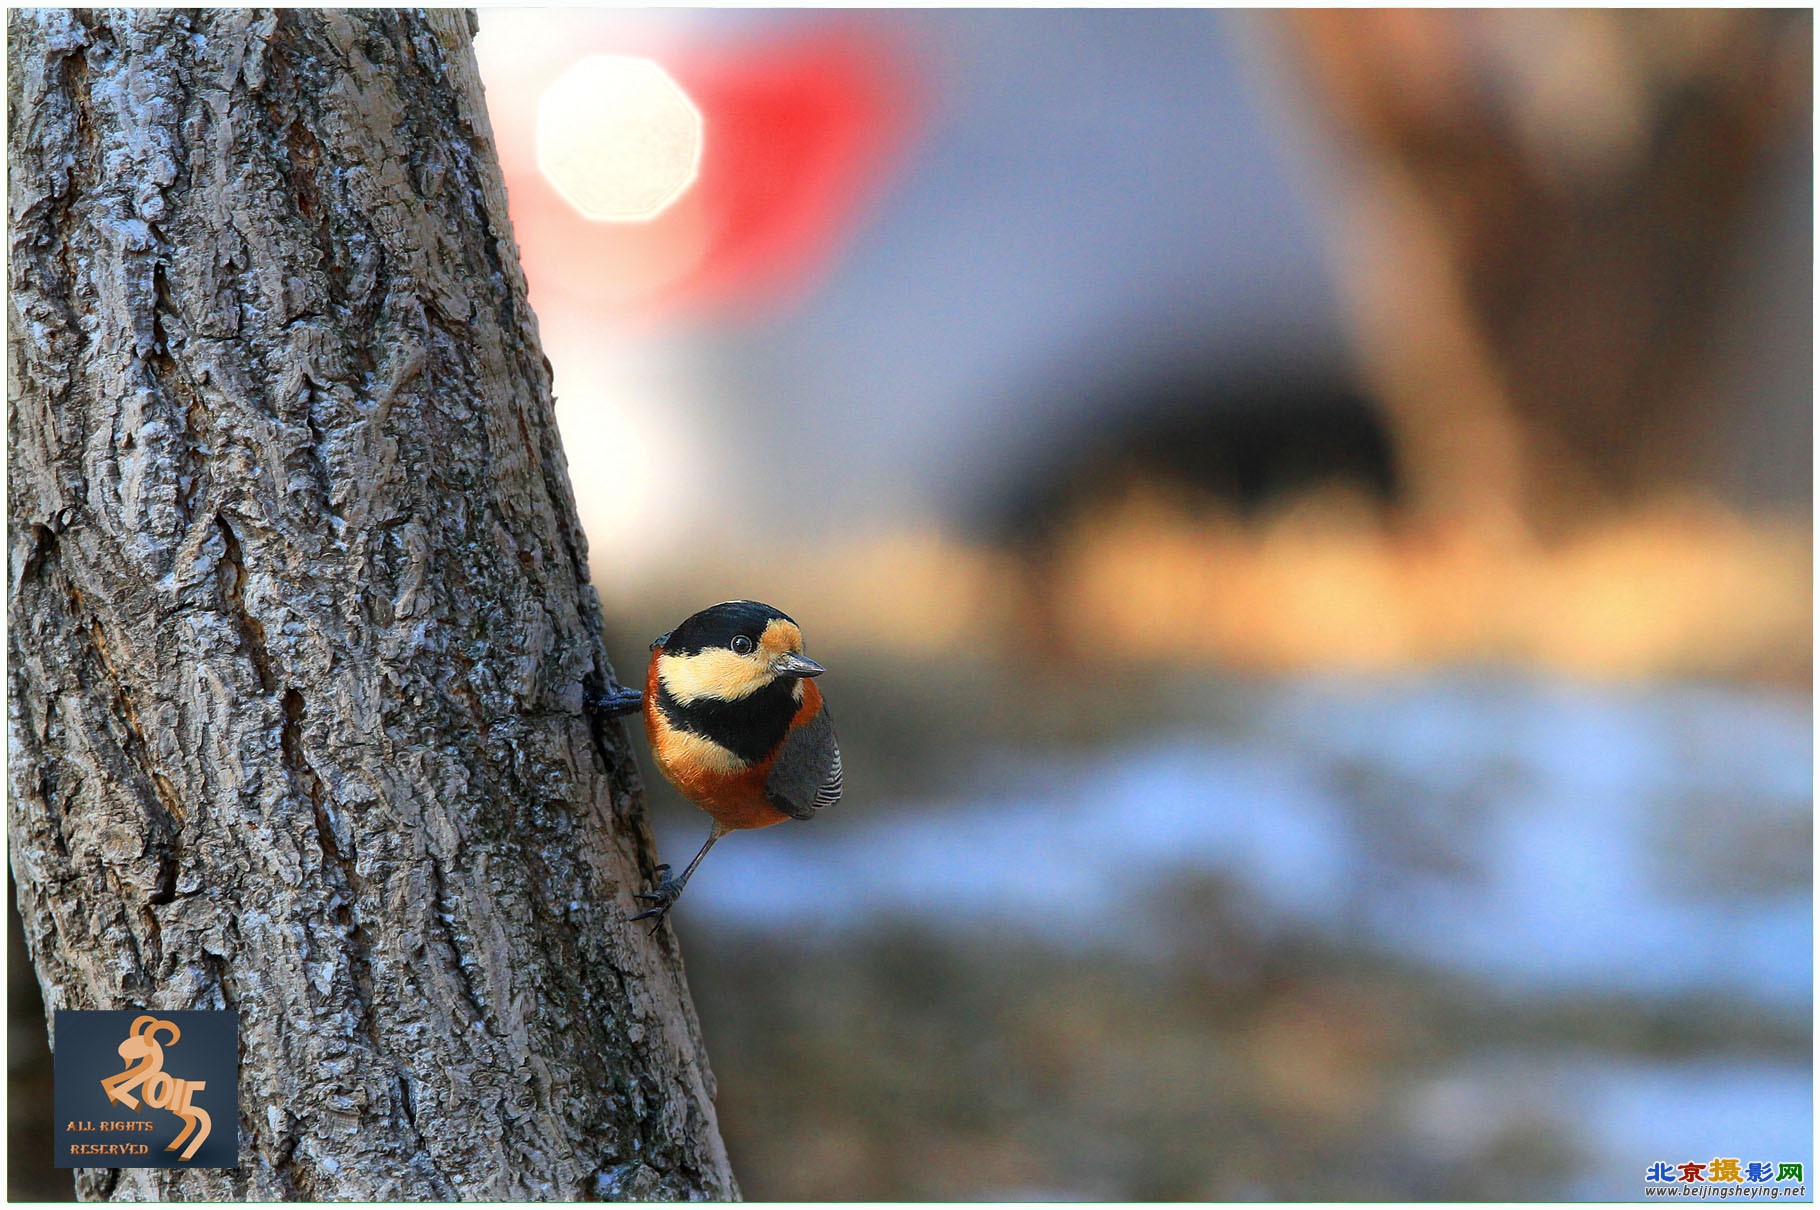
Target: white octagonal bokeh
x=618, y=138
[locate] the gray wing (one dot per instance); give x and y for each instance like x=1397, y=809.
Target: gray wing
x=806, y=775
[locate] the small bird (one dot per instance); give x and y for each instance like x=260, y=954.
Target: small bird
x=737, y=725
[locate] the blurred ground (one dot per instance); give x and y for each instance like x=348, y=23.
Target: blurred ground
x=1330, y=939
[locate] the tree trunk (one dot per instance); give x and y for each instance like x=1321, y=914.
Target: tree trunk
x=301, y=621
x=1544, y=205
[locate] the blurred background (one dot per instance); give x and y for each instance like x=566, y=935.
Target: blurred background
x=1308, y=517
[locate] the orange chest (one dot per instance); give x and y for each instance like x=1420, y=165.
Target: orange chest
x=711, y=776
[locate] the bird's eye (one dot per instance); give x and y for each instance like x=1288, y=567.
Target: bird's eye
x=743, y=645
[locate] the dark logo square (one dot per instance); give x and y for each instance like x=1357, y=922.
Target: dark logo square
x=147, y=1089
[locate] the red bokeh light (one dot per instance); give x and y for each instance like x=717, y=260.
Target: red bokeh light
x=797, y=133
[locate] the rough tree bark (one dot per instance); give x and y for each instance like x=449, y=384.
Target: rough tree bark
x=301, y=621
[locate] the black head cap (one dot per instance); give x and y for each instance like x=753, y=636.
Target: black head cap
x=717, y=625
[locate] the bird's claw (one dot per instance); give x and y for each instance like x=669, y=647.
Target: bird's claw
x=662, y=896
x=613, y=702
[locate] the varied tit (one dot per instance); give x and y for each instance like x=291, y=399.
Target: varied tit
x=736, y=724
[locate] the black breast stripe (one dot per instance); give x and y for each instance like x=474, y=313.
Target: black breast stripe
x=750, y=728
x=807, y=774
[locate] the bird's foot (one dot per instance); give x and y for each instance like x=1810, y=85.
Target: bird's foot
x=614, y=702
x=662, y=896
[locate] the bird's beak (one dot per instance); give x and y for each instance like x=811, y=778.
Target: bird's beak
x=797, y=666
